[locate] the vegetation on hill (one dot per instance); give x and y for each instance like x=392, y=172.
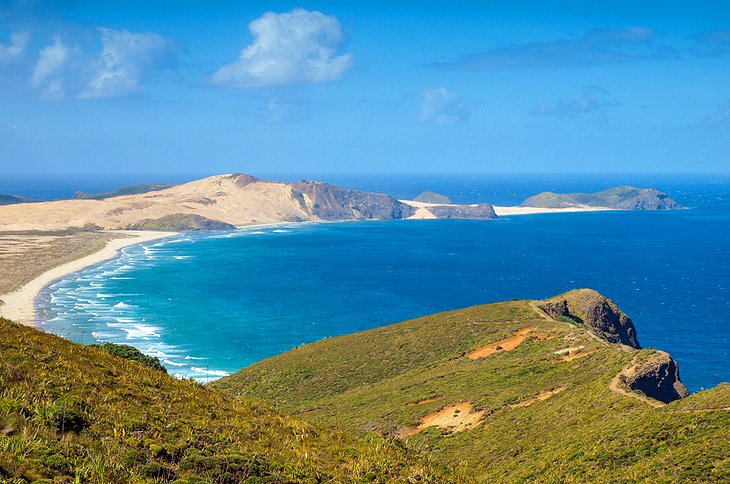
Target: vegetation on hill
x=620, y=198
x=125, y=190
x=506, y=391
x=70, y=413
x=432, y=197
x=133, y=354
x=181, y=222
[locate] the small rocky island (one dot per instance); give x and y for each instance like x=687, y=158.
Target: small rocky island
x=617, y=198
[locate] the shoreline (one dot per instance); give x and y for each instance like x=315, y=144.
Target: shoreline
x=501, y=211
x=19, y=305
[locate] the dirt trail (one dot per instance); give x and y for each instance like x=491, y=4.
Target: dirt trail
x=540, y=397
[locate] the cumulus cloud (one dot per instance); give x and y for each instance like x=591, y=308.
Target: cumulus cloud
x=442, y=107
x=125, y=58
x=49, y=71
x=596, y=47
x=593, y=99
x=14, y=49
x=297, y=47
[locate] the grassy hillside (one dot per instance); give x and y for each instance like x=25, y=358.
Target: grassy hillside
x=70, y=413
x=505, y=391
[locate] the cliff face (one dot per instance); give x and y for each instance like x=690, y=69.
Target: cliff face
x=599, y=314
x=656, y=377
x=328, y=202
x=483, y=211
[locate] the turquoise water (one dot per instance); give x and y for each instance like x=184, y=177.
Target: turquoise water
x=209, y=304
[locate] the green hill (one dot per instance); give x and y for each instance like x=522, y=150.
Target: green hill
x=518, y=391
x=70, y=413
x=620, y=198
x=122, y=191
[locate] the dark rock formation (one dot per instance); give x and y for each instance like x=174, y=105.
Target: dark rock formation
x=181, y=222
x=620, y=198
x=657, y=378
x=329, y=202
x=599, y=314
x=432, y=197
x=483, y=211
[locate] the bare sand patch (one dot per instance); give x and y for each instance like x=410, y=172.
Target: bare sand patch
x=507, y=344
x=453, y=418
x=540, y=397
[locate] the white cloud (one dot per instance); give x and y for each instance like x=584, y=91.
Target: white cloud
x=13, y=50
x=442, y=107
x=117, y=70
x=297, y=47
x=48, y=73
x=124, y=59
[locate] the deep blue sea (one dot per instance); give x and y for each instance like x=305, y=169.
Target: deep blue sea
x=209, y=304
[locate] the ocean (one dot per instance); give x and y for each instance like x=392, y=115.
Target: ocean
x=210, y=304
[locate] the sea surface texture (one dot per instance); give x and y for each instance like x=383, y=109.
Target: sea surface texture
x=209, y=304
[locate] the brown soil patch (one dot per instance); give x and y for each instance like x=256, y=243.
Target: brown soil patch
x=425, y=400
x=507, y=344
x=540, y=397
x=454, y=418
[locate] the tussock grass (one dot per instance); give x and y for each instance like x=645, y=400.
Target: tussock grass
x=70, y=413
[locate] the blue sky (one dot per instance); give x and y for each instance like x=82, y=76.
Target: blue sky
x=364, y=87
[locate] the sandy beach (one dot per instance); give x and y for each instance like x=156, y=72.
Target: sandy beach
x=423, y=213
x=518, y=210
x=19, y=305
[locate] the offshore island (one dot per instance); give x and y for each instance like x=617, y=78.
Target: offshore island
x=553, y=390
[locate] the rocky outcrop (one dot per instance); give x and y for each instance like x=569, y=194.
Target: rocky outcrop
x=328, y=202
x=432, y=197
x=657, y=377
x=181, y=222
x=599, y=315
x=649, y=200
x=483, y=211
x=618, y=198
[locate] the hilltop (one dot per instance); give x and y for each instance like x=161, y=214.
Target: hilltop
x=618, y=198
x=71, y=413
x=556, y=390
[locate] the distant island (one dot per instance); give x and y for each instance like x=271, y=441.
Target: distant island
x=433, y=197
x=618, y=198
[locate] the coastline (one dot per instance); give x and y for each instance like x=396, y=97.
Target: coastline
x=518, y=210
x=19, y=305
x=501, y=211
